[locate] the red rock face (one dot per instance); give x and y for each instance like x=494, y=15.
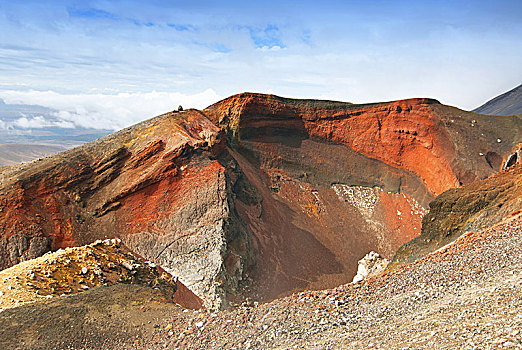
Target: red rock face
x=404, y=134
x=156, y=185
x=296, y=153
x=64, y=194
x=245, y=198
x=420, y=136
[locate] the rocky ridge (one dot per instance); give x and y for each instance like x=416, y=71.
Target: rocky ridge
x=257, y=196
x=437, y=143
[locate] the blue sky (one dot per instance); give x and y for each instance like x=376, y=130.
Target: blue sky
x=113, y=63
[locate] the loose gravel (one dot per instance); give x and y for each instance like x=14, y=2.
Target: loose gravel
x=467, y=295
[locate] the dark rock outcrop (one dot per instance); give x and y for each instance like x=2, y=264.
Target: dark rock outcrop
x=257, y=195
x=471, y=208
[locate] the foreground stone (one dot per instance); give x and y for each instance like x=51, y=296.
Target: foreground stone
x=372, y=265
x=74, y=270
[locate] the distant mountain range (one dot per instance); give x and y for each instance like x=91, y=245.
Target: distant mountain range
x=31, y=131
x=509, y=103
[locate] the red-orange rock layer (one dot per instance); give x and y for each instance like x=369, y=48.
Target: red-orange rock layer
x=414, y=135
x=156, y=185
x=186, y=298
x=61, y=197
x=255, y=212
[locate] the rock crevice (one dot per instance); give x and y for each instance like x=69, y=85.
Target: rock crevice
x=242, y=199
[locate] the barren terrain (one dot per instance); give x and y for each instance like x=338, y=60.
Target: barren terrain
x=466, y=295
x=241, y=226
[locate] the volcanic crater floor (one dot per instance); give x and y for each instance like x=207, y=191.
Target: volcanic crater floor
x=466, y=295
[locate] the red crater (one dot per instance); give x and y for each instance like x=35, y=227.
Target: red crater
x=257, y=195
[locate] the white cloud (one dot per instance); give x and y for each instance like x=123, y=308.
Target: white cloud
x=103, y=111
x=365, y=53
x=40, y=122
x=270, y=48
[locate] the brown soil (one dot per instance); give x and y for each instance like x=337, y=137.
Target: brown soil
x=112, y=317
x=238, y=199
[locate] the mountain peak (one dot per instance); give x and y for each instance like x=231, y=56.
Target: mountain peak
x=508, y=103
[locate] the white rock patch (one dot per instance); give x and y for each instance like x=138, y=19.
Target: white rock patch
x=362, y=198
x=371, y=265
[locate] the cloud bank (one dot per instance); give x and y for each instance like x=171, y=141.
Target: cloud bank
x=39, y=122
x=111, y=63
x=101, y=111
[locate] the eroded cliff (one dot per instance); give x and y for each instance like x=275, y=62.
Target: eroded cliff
x=471, y=208
x=338, y=180
x=257, y=195
x=156, y=185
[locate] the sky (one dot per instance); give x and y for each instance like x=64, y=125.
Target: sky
x=109, y=64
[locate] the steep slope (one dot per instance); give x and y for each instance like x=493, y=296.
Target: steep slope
x=156, y=185
x=508, y=103
x=467, y=209
x=380, y=161
x=257, y=195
